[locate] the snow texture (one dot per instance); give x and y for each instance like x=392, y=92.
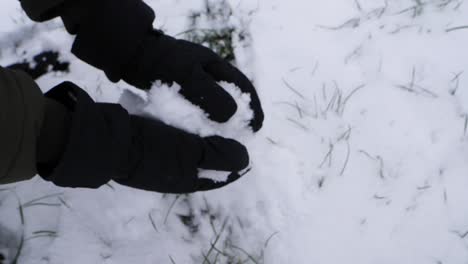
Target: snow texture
x=362, y=157
x=164, y=103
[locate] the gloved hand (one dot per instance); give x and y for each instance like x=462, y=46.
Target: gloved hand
x=167, y=159
x=106, y=143
x=196, y=69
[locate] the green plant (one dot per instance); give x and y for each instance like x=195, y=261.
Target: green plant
x=213, y=28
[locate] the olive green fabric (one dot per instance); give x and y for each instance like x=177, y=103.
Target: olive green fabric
x=21, y=114
x=41, y=10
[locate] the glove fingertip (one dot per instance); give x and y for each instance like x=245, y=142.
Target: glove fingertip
x=257, y=122
x=203, y=91
x=224, y=113
x=224, y=154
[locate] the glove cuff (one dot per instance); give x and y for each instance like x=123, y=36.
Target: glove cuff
x=99, y=141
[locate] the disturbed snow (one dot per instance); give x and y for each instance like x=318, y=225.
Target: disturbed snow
x=362, y=158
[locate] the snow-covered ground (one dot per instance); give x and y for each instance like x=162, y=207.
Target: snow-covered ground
x=363, y=157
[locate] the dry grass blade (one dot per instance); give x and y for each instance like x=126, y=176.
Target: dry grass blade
x=21, y=212
x=43, y=233
x=358, y=5
x=316, y=112
x=381, y=169
x=378, y=197
x=299, y=110
x=297, y=123
x=327, y=156
x=246, y=253
x=381, y=11
x=42, y=204
x=355, y=90
x=465, y=128
x=269, y=238
x=272, y=141
x=456, y=76
x=400, y=28
x=347, y=158
x=445, y=196
x=152, y=222
x=378, y=159
x=219, y=253
x=205, y=259
x=20, y=249
x=345, y=135
x=292, y=89
x=34, y=201
x=351, y=23
x=23, y=222
x=423, y=188
x=334, y=98
x=405, y=88
x=367, y=154
x=349, y=96
x=110, y=186
x=216, y=258
x=170, y=208
x=417, y=9
x=354, y=54
x=456, y=28
x=64, y=202
x=218, y=236
x=462, y=235
x=426, y=91
x=296, y=106
x=314, y=70
x=413, y=77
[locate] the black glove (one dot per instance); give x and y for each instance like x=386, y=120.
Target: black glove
x=130, y=49
x=106, y=143
x=169, y=159
x=196, y=69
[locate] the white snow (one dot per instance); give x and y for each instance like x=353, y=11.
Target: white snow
x=362, y=157
x=166, y=104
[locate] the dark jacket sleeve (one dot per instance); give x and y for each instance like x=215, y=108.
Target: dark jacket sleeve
x=21, y=114
x=108, y=32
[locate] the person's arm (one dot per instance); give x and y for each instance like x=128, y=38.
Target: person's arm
x=34, y=128
x=106, y=143
x=72, y=141
x=21, y=116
